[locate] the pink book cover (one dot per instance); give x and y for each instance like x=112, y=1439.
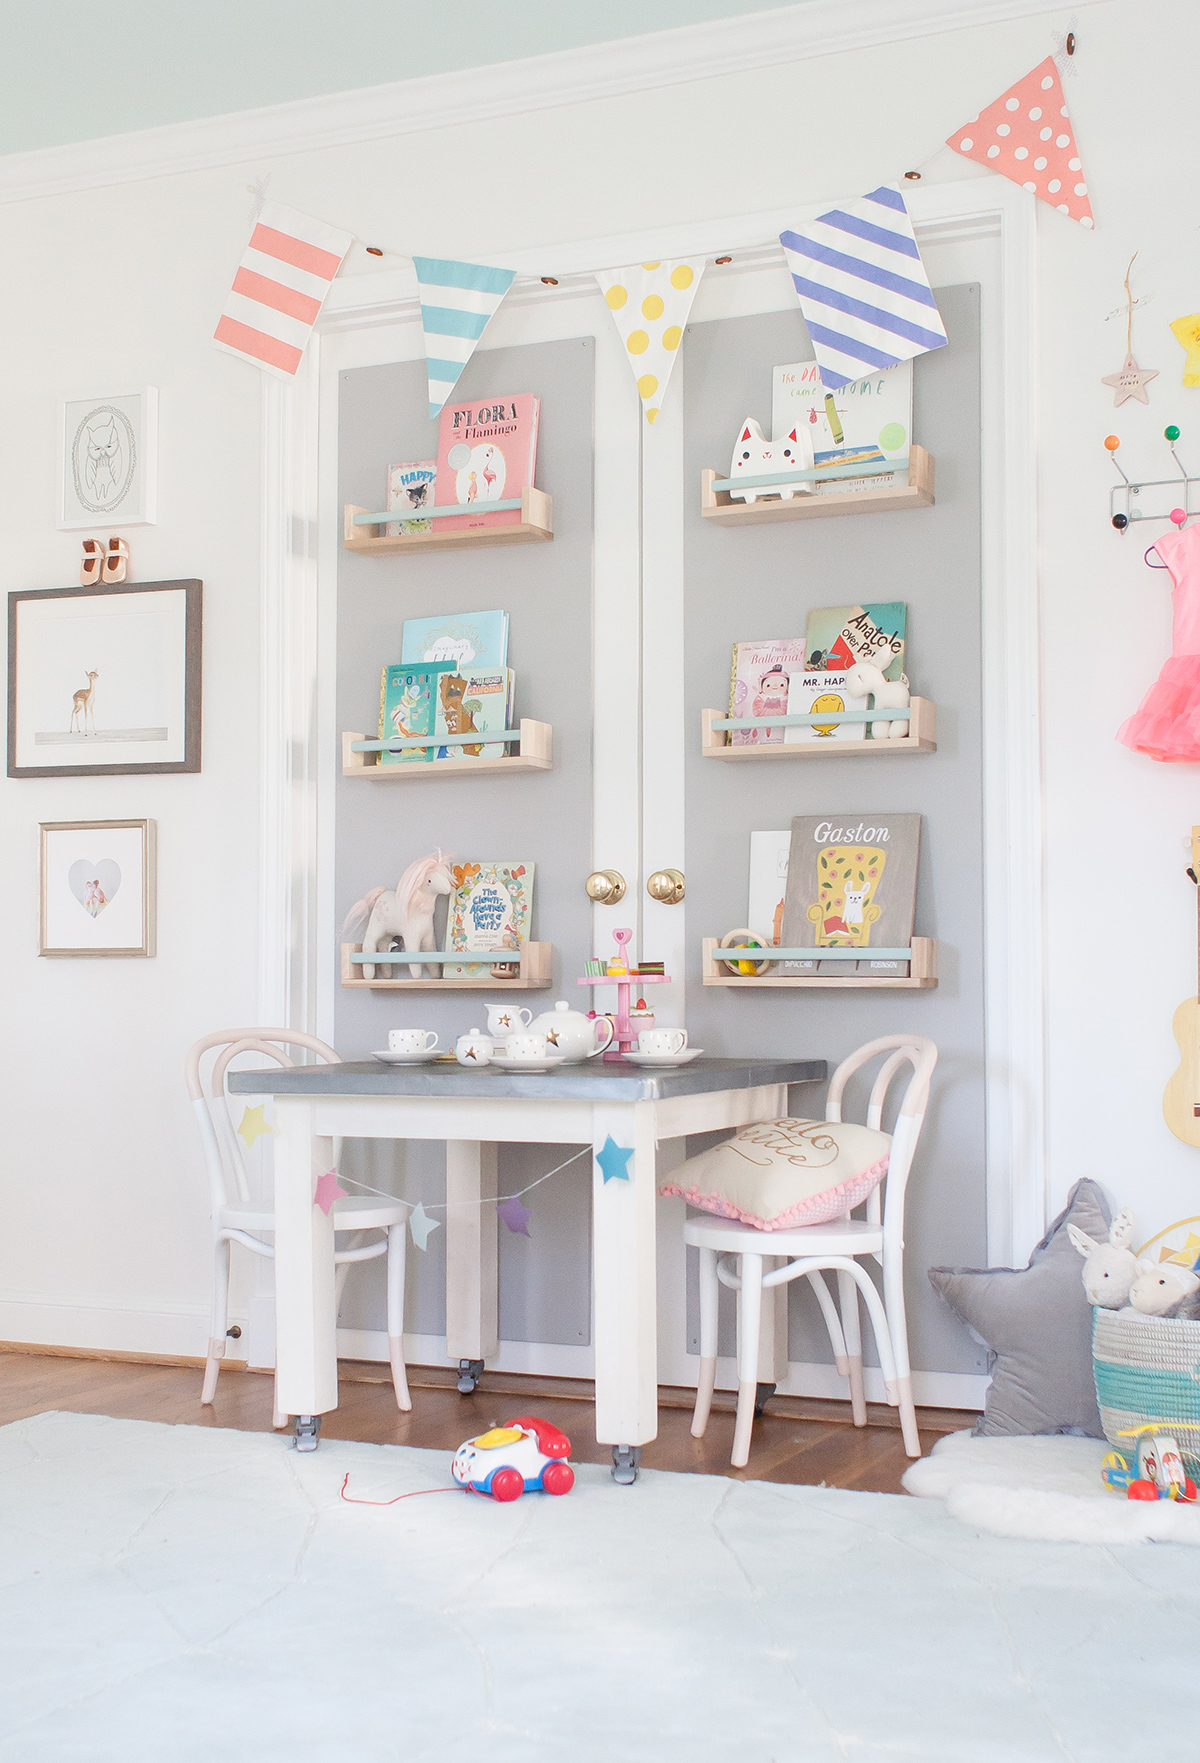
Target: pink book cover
x=758, y=686
x=486, y=453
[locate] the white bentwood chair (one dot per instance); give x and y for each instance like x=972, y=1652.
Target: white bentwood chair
x=834, y=1246
x=237, y=1219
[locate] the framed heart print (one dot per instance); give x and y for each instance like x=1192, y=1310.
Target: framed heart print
x=97, y=893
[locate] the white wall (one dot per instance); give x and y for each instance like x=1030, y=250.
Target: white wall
x=104, y=1209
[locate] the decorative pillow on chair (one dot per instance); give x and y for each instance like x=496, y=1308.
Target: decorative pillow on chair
x=780, y=1174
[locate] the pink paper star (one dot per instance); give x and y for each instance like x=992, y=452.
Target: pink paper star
x=515, y=1216
x=328, y=1191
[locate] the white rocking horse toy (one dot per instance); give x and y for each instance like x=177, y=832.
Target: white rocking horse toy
x=405, y=911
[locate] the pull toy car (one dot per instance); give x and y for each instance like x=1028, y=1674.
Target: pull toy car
x=526, y=1456
x=1160, y=1473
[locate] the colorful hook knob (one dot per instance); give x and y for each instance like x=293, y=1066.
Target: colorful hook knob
x=1120, y=521
x=1112, y=442
x=1178, y=515
x=1172, y=434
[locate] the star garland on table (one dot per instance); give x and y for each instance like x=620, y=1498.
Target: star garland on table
x=508, y=1207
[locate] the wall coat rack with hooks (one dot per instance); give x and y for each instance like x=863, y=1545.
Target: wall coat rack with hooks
x=1125, y=504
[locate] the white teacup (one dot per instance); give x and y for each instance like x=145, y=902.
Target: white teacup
x=526, y=1047
x=411, y=1040
x=662, y=1040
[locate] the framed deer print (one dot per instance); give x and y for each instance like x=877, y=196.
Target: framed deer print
x=108, y=460
x=104, y=680
x=97, y=887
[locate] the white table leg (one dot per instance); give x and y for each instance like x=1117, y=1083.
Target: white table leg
x=472, y=1258
x=305, y=1314
x=624, y=1284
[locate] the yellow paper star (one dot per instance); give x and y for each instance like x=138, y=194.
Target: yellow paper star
x=254, y=1124
x=1186, y=1254
x=1188, y=332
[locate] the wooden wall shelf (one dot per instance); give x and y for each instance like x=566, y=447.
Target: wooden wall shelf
x=922, y=972
x=536, y=974
x=921, y=738
x=536, y=524
x=536, y=753
x=715, y=505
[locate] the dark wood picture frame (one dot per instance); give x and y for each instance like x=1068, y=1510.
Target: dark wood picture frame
x=193, y=592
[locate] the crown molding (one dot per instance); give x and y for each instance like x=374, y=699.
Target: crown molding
x=447, y=100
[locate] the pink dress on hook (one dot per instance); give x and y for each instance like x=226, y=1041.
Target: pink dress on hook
x=1166, y=724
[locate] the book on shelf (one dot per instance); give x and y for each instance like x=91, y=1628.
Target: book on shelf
x=759, y=683
x=471, y=639
x=487, y=451
x=851, y=884
x=817, y=689
x=491, y=908
x=867, y=423
x=769, y=853
x=408, y=706
x=411, y=487
x=473, y=700
x=835, y=637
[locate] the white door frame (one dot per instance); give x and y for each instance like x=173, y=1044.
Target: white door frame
x=301, y=533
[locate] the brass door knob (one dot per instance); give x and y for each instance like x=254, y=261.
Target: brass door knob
x=666, y=886
x=606, y=887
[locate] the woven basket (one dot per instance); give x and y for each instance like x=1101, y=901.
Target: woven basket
x=1147, y=1370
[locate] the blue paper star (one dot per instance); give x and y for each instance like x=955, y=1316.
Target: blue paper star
x=421, y=1225
x=614, y=1160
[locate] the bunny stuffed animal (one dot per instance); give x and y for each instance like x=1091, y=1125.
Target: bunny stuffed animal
x=1109, y=1268
x=889, y=694
x=1163, y=1290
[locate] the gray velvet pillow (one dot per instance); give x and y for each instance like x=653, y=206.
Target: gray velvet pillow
x=1037, y=1322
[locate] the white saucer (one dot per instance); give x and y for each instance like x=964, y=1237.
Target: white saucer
x=409, y=1058
x=684, y=1058
x=507, y=1064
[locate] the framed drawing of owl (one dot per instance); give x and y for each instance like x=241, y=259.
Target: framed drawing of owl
x=108, y=459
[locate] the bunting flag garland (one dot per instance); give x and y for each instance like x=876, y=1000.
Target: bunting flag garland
x=862, y=287
x=515, y=1215
x=327, y=1191
x=457, y=300
x=1026, y=136
x=420, y=1224
x=280, y=286
x=650, y=303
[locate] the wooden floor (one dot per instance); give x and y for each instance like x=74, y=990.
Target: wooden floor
x=811, y=1442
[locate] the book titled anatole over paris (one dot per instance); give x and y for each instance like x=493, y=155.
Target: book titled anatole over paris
x=486, y=453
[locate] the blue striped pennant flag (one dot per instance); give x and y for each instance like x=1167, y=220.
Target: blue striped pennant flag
x=457, y=299
x=862, y=287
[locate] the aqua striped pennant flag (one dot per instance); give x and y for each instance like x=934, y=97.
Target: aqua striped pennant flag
x=457, y=300
x=862, y=287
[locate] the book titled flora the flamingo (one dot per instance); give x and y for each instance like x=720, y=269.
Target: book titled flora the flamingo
x=759, y=683
x=486, y=453
x=491, y=908
x=851, y=884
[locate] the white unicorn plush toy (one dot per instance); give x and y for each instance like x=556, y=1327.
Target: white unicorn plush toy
x=1109, y=1268
x=403, y=911
x=889, y=694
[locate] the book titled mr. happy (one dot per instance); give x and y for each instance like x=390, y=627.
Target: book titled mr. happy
x=486, y=453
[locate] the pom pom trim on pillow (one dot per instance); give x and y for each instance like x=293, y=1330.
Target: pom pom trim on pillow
x=805, y=1145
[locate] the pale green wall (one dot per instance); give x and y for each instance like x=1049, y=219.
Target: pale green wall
x=75, y=69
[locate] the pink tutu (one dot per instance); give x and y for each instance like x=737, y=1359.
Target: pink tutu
x=1166, y=724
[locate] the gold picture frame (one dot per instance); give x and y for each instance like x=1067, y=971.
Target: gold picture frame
x=97, y=888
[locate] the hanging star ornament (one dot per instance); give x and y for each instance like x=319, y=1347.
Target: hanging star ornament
x=515, y=1216
x=254, y=1125
x=1132, y=380
x=328, y=1191
x=421, y=1225
x=614, y=1160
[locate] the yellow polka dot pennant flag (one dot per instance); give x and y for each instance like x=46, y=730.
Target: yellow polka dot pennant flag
x=650, y=303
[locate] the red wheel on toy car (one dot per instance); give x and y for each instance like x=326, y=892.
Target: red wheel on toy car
x=1142, y=1490
x=558, y=1478
x=1189, y=1488
x=507, y=1484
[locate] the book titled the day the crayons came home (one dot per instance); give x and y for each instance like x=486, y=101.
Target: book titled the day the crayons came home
x=491, y=909
x=486, y=453
x=851, y=884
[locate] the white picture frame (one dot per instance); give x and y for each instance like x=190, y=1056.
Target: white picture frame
x=97, y=888
x=108, y=459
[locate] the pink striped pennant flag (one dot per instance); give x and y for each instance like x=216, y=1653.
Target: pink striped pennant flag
x=280, y=287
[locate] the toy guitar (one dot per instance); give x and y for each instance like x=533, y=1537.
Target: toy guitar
x=1181, y=1098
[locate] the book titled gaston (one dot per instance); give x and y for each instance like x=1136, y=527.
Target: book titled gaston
x=486, y=453
x=851, y=884
x=759, y=682
x=408, y=706
x=491, y=908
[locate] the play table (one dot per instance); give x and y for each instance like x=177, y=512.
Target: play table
x=621, y=1111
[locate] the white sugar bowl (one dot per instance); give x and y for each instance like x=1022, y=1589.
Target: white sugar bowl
x=570, y=1033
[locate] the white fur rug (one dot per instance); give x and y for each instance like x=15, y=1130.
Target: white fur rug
x=1044, y=1490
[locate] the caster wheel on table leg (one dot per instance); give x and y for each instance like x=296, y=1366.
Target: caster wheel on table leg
x=762, y=1395
x=469, y=1373
x=307, y=1430
x=626, y=1459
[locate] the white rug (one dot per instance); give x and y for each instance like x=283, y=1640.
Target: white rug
x=172, y=1594
x=1044, y=1490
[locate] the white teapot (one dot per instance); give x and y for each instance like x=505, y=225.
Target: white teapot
x=570, y=1033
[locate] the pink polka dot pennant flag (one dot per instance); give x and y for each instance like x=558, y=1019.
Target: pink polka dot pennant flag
x=1026, y=135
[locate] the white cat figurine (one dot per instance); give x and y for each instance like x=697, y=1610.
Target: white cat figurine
x=755, y=456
